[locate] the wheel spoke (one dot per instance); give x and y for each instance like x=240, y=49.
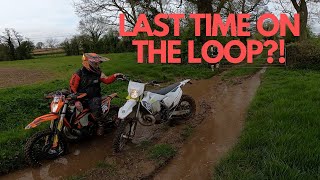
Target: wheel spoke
x=40, y=146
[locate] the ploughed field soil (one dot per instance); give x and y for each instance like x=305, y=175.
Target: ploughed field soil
x=15, y=76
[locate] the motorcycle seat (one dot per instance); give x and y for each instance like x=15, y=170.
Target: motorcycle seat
x=166, y=90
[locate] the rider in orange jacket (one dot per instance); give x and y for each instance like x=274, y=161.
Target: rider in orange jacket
x=87, y=80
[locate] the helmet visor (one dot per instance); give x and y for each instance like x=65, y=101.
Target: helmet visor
x=95, y=57
x=95, y=65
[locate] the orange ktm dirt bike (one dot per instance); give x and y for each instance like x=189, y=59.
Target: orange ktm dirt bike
x=69, y=121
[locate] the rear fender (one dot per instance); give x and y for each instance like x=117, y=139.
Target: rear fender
x=182, y=83
x=41, y=119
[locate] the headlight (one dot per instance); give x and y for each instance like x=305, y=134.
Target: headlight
x=54, y=107
x=134, y=94
x=56, y=104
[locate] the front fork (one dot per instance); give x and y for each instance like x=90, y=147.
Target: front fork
x=133, y=126
x=56, y=128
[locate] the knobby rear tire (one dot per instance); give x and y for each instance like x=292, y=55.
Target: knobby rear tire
x=193, y=107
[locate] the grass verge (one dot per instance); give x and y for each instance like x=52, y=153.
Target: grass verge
x=187, y=132
x=245, y=69
x=281, y=136
x=162, y=152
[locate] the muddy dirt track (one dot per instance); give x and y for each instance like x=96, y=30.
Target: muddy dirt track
x=217, y=133
x=221, y=111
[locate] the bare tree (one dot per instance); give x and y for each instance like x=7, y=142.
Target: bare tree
x=17, y=36
x=51, y=42
x=110, y=9
x=39, y=45
x=253, y=7
x=306, y=8
x=93, y=26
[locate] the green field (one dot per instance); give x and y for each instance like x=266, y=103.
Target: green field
x=20, y=105
x=281, y=136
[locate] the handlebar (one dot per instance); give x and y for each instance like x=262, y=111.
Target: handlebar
x=154, y=83
x=126, y=78
x=123, y=78
x=48, y=97
x=72, y=96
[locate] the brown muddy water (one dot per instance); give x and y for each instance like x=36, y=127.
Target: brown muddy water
x=217, y=133
x=82, y=157
x=210, y=140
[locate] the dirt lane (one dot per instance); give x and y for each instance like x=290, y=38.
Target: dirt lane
x=216, y=134
x=213, y=135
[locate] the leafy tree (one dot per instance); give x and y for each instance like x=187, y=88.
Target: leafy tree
x=24, y=51
x=4, y=55
x=7, y=38
x=111, y=41
x=14, y=47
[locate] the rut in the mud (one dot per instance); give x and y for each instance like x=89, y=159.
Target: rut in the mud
x=217, y=133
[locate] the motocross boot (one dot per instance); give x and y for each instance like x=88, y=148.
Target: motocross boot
x=95, y=107
x=100, y=129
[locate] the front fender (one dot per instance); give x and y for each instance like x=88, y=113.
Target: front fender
x=41, y=119
x=126, y=109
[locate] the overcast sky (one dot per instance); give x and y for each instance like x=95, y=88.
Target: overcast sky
x=41, y=19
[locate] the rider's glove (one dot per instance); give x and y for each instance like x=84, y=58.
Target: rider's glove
x=118, y=75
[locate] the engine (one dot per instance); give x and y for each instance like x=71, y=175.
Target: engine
x=147, y=120
x=160, y=115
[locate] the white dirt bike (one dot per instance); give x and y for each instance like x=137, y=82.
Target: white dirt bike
x=151, y=107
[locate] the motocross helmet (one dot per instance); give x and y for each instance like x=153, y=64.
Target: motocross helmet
x=92, y=61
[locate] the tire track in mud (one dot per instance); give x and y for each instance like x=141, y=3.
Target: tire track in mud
x=217, y=133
